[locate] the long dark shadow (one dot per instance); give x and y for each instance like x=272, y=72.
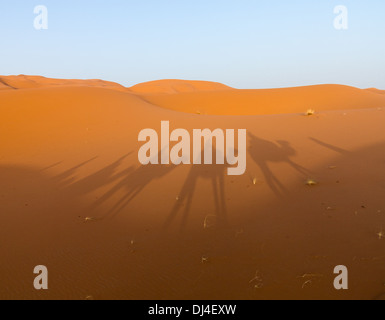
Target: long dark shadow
x=329, y=146
x=215, y=174
x=68, y=177
x=264, y=152
x=132, y=182
x=100, y=178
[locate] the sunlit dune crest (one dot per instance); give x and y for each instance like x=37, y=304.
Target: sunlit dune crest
x=374, y=90
x=178, y=86
x=270, y=101
x=211, y=98
x=33, y=82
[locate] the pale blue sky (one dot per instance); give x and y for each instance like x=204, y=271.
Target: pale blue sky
x=242, y=43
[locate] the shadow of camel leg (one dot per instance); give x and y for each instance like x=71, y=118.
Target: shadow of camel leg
x=125, y=201
x=298, y=167
x=186, y=193
x=275, y=185
x=222, y=196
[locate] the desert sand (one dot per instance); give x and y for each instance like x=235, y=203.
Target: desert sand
x=74, y=198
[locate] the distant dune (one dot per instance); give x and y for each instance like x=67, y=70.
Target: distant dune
x=177, y=86
x=374, y=90
x=271, y=101
x=153, y=87
x=211, y=98
x=33, y=82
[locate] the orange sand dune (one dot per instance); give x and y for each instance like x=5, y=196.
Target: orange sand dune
x=211, y=98
x=32, y=82
x=374, y=90
x=177, y=86
x=155, y=87
x=74, y=198
x=271, y=101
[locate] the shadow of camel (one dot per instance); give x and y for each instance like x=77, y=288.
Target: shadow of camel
x=263, y=152
x=68, y=177
x=215, y=174
x=98, y=179
x=132, y=183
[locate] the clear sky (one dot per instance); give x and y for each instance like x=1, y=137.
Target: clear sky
x=242, y=43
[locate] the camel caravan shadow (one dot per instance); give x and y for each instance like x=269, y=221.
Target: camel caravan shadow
x=128, y=182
